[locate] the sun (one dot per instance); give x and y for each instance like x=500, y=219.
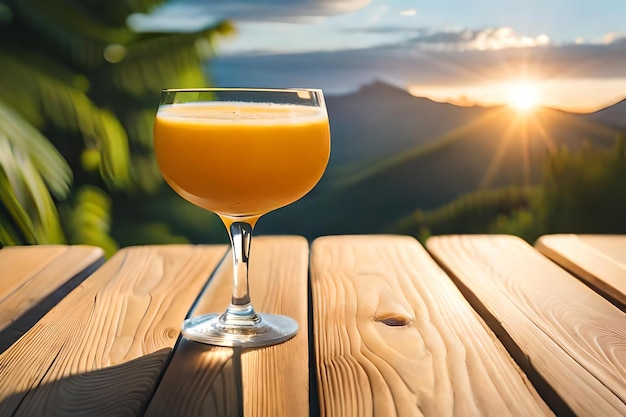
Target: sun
x=524, y=96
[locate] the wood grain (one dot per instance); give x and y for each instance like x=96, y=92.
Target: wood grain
x=600, y=260
x=395, y=337
x=561, y=332
x=101, y=350
x=271, y=381
x=34, y=278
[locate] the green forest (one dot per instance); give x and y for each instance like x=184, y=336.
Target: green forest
x=579, y=192
x=78, y=94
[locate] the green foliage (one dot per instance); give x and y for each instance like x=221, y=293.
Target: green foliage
x=30, y=170
x=585, y=191
x=78, y=92
x=89, y=220
x=470, y=213
x=523, y=223
x=580, y=192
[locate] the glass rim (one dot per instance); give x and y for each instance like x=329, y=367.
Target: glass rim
x=240, y=89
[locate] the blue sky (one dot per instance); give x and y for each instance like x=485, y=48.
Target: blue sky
x=570, y=53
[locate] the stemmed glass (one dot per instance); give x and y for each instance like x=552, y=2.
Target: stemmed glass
x=241, y=153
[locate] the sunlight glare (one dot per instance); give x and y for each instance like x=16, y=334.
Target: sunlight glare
x=524, y=96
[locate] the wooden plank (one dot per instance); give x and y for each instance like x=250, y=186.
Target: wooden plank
x=395, y=337
x=34, y=278
x=600, y=260
x=101, y=350
x=569, y=339
x=272, y=381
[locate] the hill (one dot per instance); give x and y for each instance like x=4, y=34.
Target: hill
x=614, y=115
x=452, y=154
x=381, y=120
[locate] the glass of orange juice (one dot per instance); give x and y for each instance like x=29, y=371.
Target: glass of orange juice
x=241, y=153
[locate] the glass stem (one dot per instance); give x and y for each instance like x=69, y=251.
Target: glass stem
x=240, y=311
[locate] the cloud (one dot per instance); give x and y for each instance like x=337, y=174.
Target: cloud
x=409, y=31
x=339, y=72
x=188, y=15
x=272, y=10
x=488, y=39
x=457, y=39
x=615, y=38
x=429, y=65
x=408, y=12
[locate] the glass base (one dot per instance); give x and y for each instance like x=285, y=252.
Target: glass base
x=270, y=330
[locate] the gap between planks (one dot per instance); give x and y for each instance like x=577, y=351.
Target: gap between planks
x=35, y=278
x=558, y=329
x=101, y=350
x=273, y=381
x=395, y=337
x=599, y=260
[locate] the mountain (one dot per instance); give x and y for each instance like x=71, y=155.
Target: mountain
x=381, y=120
x=614, y=115
x=393, y=153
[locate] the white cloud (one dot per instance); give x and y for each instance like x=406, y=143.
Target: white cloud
x=489, y=39
x=339, y=6
x=408, y=12
x=614, y=38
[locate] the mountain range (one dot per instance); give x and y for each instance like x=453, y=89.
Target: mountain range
x=393, y=153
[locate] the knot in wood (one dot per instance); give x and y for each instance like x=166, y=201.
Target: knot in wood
x=171, y=333
x=393, y=320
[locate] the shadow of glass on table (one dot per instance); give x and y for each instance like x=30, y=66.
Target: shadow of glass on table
x=137, y=387
x=124, y=389
x=201, y=380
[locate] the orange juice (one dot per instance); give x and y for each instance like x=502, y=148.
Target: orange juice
x=241, y=160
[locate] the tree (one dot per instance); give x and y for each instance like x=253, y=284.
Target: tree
x=585, y=191
x=580, y=192
x=78, y=91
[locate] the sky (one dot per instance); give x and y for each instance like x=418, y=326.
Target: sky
x=568, y=54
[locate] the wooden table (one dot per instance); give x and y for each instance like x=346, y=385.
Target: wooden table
x=468, y=326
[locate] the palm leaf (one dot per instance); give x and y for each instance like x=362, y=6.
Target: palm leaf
x=84, y=33
x=42, y=97
x=139, y=125
x=24, y=193
x=8, y=236
x=89, y=219
x=51, y=52
x=45, y=217
x=22, y=139
x=155, y=60
x=70, y=29
x=116, y=157
x=115, y=12
x=11, y=202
